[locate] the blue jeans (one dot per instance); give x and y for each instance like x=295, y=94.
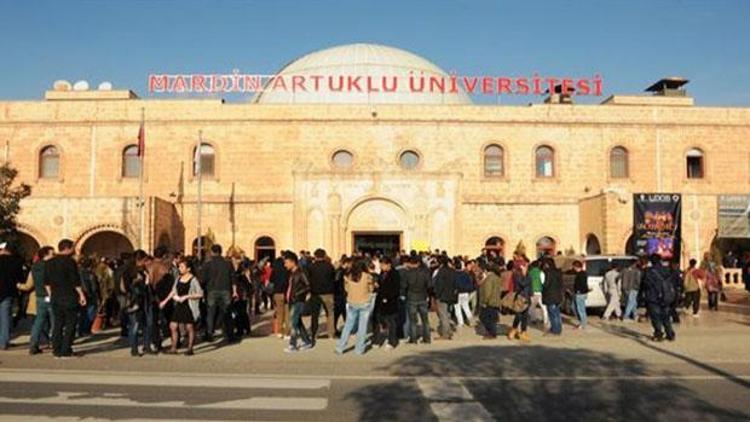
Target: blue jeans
x=631, y=306
x=5, y=306
x=42, y=322
x=355, y=314
x=298, y=329
x=555, y=319
x=135, y=323
x=581, y=309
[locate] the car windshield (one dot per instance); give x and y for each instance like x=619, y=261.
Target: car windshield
x=597, y=267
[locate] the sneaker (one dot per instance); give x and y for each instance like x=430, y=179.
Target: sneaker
x=35, y=351
x=279, y=335
x=306, y=346
x=290, y=349
x=338, y=351
x=389, y=348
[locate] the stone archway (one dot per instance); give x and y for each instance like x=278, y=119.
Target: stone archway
x=27, y=245
x=593, y=247
x=376, y=217
x=106, y=243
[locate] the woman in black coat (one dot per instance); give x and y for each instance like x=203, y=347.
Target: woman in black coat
x=386, y=305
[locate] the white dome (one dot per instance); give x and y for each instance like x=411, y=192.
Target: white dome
x=361, y=60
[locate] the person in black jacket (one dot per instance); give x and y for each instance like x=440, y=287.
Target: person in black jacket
x=386, y=304
x=280, y=279
x=11, y=274
x=658, y=278
x=297, y=293
x=581, y=291
x=322, y=276
x=414, y=285
x=63, y=285
x=552, y=294
x=446, y=293
x=217, y=277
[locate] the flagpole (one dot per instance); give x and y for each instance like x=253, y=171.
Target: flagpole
x=141, y=204
x=199, y=173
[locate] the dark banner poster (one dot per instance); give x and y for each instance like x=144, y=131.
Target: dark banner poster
x=657, y=224
x=734, y=216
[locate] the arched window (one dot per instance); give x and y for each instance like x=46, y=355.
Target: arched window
x=342, y=159
x=131, y=162
x=618, y=163
x=495, y=244
x=545, y=246
x=49, y=162
x=208, y=160
x=493, y=161
x=545, y=161
x=695, y=164
x=265, y=247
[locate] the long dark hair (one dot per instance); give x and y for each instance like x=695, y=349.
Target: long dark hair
x=359, y=266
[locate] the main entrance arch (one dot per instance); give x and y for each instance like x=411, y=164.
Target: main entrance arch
x=377, y=224
x=106, y=243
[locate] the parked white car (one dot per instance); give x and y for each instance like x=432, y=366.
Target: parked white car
x=595, y=266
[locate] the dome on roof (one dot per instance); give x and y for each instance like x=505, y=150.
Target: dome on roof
x=377, y=65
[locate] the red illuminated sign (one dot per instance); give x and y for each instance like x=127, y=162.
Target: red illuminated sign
x=236, y=82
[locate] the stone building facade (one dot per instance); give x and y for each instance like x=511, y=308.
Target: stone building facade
x=345, y=176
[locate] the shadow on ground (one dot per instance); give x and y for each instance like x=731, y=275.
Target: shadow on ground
x=537, y=383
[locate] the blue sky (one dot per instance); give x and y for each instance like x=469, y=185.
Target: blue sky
x=631, y=43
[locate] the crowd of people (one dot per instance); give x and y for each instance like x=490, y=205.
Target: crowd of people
x=382, y=300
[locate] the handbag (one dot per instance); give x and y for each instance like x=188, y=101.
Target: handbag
x=507, y=301
x=520, y=303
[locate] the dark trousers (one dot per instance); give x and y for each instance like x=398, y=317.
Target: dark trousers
x=64, y=317
x=316, y=303
x=242, y=318
x=713, y=301
x=660, y=320
x=521, y=320
x=390, y=322
x=339, y=310
x=218, y=308
x=693, y=299
x=160, y=324
x=488, y=317
x=421, y=309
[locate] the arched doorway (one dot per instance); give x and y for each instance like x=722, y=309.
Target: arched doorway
x=265, y=247
x=592, y=245
x=545, y=246
x=630, y=245
x=164, y=240
x=496, y=245
x=378, y=225
x=107, y=243
x=27, y=245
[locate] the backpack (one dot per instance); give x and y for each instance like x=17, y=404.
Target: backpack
x=667, y=292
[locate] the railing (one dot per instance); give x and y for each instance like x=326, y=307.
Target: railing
x=733, y=278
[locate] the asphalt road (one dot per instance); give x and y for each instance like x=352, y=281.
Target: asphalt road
x=611, y=372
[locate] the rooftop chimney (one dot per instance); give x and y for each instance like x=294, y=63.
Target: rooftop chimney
x=669, y=87
x=560, y=97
